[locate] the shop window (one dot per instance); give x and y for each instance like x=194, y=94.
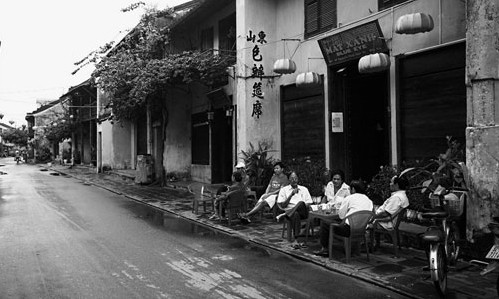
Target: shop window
x=207, y=39
x=320, y=16
x=200, y=140
x=383, y=4
x=227, y=33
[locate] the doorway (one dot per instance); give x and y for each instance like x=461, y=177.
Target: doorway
x=221, y=147
x=363, y=98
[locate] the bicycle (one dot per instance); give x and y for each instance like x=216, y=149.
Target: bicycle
x=443, y=236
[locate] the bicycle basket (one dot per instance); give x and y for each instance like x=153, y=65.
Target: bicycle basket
x=455, y=203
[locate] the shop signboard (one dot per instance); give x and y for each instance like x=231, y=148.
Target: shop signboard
x=353, y=43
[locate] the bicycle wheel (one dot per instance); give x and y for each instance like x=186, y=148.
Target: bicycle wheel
x=440, y=271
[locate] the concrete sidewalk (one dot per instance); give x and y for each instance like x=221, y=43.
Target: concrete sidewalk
x=403, y=275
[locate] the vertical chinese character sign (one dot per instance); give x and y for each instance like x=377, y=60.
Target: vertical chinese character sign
x=257, y=71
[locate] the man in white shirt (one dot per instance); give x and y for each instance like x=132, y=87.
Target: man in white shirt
x=294, y=200
x=397, y=201
x=355, y=202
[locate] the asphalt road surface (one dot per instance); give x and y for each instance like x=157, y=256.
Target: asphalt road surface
x=60, y=238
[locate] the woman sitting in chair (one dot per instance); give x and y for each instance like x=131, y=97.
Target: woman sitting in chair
x=237, y=185
x=278, y=180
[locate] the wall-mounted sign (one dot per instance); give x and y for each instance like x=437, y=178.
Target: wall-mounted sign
x=353, y=43
x=337, y=122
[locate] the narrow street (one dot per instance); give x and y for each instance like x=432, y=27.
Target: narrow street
x=60, y=238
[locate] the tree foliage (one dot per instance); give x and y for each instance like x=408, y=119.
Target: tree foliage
x=140, y=66
x=17, y=136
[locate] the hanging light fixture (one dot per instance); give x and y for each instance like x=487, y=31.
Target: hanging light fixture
x=308, y=79
x=374, y=63
x=285, y=65
x=414, y=23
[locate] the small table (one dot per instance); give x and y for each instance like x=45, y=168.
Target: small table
x=323, y=215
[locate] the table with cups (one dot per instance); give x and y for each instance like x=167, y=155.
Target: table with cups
x=324, y=212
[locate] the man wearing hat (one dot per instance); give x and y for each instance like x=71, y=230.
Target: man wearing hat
x=241, y=168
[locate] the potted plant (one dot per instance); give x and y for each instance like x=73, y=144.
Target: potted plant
x=259, y=165
x=313, y=173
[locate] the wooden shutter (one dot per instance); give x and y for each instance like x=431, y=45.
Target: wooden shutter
x=303, y=127
x=320, y=16
x=432, y=101
x=311, y=17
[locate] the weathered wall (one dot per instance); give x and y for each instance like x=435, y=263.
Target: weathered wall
x=116, y=145
x=177, y=154
x=482, y=134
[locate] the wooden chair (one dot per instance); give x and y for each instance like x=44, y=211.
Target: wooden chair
x=237, y=202
x=251, y=196
x=395, y=219
x=203, y=197
x=358, y=224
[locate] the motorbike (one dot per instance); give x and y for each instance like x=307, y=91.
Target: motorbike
x=17, y=159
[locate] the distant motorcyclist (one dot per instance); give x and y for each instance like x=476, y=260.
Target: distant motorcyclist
x=17, y=157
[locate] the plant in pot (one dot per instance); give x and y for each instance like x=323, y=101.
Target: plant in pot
x=259, y=165
x=312, y=172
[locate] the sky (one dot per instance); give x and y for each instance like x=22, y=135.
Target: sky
x=41, y=41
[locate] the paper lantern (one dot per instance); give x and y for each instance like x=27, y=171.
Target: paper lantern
x=309, y=79
x=284, y=66
x=374, y=63
x=414, y=23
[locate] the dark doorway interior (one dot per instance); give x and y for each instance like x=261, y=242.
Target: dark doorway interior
x=364, y=100
x=221, y=147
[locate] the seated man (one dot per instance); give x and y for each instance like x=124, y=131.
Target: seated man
x=355, y=202
x=397, y=201
x=295, y=201
x=278, y=180
x=237, y=185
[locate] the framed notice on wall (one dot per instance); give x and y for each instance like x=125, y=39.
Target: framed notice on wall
x=337, y=122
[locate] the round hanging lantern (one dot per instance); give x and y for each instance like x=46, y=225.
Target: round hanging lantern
x=374, y=63
x=308, y=79
x=414, y=23
x=284, y=66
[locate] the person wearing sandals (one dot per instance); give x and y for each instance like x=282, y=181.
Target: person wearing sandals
x=355, y=202
x=295, y=201
x=278, y=180
x=237, y=185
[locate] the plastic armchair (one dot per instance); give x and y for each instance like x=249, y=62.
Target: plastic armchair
x=395, y=219
x=358, y=229
x=201, y=197
x=236, y=202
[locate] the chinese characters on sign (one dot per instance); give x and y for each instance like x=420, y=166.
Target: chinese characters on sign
x=257, y=71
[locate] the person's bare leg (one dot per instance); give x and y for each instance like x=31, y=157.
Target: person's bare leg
x=260, y=205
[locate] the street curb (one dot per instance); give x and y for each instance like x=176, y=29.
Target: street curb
x=349, y=273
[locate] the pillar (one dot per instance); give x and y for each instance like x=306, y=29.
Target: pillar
x=482, y=132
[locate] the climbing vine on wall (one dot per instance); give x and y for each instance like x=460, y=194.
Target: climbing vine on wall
x=141, y=66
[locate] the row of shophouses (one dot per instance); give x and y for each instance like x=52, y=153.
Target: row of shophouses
x=357, y=83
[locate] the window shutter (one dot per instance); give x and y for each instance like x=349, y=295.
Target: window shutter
x=320, y=16
x=311, y=17
x=328, y=14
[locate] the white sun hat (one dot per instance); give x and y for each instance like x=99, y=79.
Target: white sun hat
x=240, y=164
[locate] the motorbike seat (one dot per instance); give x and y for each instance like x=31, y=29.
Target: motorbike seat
x=435, y=215
x=434, y=235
